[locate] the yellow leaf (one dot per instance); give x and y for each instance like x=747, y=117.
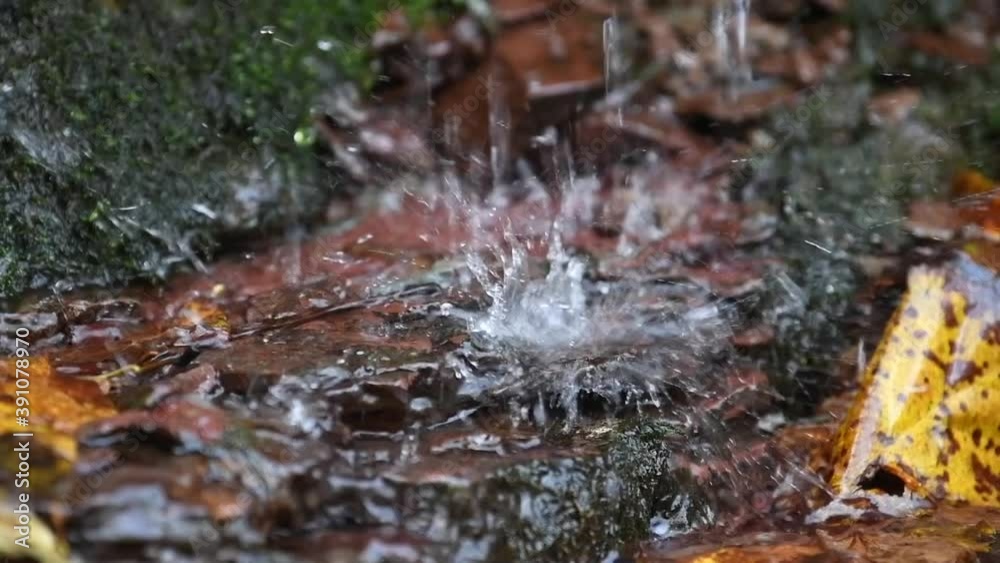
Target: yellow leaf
x=44, y=546
x=971, y=182
x=57, y=405
x=928, y=412
x=202, y=313
x=760, y=554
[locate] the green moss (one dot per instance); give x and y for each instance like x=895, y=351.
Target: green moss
x=127, y=129
x=966, y=105
x=879, y=26
x=843, y=187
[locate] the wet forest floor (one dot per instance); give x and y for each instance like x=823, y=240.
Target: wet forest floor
x=604, y=286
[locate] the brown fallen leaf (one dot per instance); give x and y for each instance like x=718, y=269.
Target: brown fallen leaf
x=977, y=198
x=783, y=553
x=57, y=405
x=752, y=548
x=748, y=106
x=947, y=47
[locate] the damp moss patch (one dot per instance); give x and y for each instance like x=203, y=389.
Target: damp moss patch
x=133, y=133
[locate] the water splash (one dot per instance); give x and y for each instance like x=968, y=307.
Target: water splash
x=613, y=60
x=550, y=335
x=730, y=20
x=743, y=73
x=499, y=129
x=720, y=32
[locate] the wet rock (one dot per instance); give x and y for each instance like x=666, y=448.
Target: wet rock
x=111, y=193
x=255, y=362
x=361, y=336
x=953, y=49
x=589, y=496
x=380, y=403
x=747, y=106
x=811, y=64
x=760, y=335
x=184, y=424
x=945, y=535
x=54, y=321
x=728, y=279
x=366, y=149
x=892, y=107
x=440, y=52
x=485, y=107
x=706, y=229
x=558, y=65
x=606, y=137
x=40, y=325
x=762, y=548
x=835, y=6
x=663, y=40
x=374, y=546
x=934, y=220
x=779, y=9
x=747, y=391
x=393, y=31
x=172, y=503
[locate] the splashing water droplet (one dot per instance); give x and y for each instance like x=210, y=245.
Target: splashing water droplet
x=730, y=19
x=549, y=335
x=743, y=71
x=613, y=59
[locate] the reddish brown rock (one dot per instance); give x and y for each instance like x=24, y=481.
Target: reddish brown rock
x=950, y=48
x=517, y=11
x=183, y=422
x=739, y=109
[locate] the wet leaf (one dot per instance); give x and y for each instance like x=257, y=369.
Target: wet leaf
x=44, y=546
x=926, y=417
x=183, y=423
x=203, y=314
x=985, y=252
x=953, y=49
x=750, y=106
x=58, y=406
x=785, y=553
x=978, y=201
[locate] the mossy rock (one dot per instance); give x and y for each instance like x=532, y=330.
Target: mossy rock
x=133, y=134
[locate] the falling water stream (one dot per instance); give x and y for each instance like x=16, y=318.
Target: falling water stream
x=729, y=29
